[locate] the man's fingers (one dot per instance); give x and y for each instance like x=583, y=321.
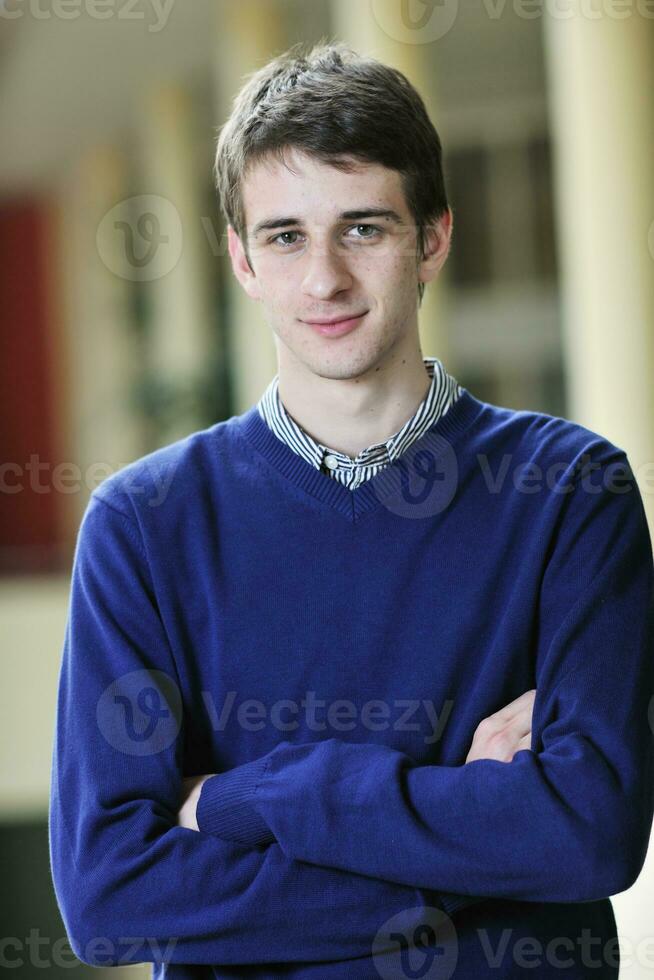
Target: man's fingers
x=524, y=743
x=501, y=735
x=522, y=705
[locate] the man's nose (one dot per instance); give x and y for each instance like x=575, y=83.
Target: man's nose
x=326, y=271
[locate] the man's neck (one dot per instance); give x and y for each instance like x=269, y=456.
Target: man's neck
x=350, y=415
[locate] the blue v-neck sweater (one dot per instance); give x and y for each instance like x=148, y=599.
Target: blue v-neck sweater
x=328, y=654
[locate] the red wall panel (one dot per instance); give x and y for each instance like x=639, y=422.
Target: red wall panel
x=29, y=504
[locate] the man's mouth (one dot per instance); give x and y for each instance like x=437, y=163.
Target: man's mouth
x=336, y=326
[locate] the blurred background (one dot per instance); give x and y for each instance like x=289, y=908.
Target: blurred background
x=122, y=327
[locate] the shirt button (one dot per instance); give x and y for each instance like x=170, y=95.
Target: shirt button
x=331, y=462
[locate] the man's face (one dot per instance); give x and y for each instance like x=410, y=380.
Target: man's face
x=319, y=251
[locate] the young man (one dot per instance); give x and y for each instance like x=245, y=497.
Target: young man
x=283, y=677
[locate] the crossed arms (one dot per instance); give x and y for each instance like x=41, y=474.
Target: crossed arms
x=566, y=821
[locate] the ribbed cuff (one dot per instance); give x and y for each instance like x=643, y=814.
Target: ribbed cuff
x=225, y=807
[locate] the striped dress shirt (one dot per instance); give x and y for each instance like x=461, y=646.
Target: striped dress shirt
x=443, y=392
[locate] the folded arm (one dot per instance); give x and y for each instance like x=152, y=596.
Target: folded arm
x=568, y=820
x=498, y=737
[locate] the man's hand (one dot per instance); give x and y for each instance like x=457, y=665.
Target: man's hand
x=190, y=796
x=503, y=734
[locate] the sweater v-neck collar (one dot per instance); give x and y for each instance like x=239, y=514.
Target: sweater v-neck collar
x=353, y=504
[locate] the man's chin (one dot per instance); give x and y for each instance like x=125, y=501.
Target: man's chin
x=341, y=367
x=336, y=359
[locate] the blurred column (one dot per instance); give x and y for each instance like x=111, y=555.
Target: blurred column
x=179, y=334
x=381, y=29
x=249, y=33
x=105, y=432
x=601, y=81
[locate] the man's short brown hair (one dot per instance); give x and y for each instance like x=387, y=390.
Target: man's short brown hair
x=333, y=103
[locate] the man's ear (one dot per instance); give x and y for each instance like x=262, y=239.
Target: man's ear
x=438, y=238
x=240, y=265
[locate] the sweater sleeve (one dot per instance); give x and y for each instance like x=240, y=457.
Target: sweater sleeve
x=132, y=885
x=567, y=820
x=225, y=809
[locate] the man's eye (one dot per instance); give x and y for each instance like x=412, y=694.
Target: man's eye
x=286, y=239
x=282, y=234
x=370, y=228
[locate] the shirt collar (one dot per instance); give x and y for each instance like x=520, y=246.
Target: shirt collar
x=435, y=402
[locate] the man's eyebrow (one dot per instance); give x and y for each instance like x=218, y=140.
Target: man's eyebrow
x=358, y=215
